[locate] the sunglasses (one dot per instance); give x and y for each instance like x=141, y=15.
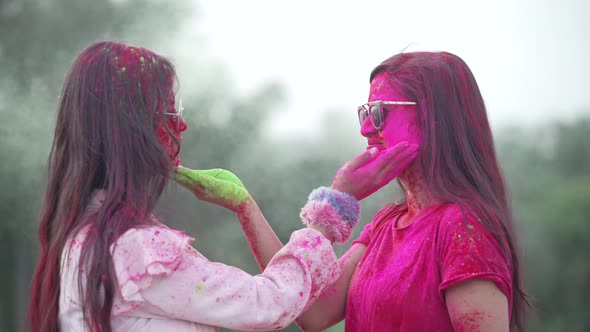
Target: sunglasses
x=178, y=114
x=375, y=110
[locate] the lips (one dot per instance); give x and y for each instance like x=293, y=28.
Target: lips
x=375, y=142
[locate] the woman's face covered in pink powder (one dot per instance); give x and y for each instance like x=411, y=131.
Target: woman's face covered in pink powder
x=400, y=122
x=176, y=125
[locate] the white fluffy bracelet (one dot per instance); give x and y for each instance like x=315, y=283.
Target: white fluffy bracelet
x=337, y=211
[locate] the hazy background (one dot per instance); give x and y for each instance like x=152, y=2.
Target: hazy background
x=270, y=90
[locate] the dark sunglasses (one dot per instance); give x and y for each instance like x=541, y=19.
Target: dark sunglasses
x=375, y=110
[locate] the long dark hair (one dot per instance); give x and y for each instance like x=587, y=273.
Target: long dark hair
x=457, y=152
x=112, y=101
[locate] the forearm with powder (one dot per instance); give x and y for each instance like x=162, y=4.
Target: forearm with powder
x=261, y=238
x=331, y=212
x=328, y=211
x=223, y=188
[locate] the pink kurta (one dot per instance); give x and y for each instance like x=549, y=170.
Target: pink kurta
x=400, y=281
x=164, y=284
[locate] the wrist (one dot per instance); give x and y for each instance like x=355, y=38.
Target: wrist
x=343, y=189
x=324, y=232
x=246, y=207
x=337, y=212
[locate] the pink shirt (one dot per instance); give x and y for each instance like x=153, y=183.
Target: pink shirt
x=164, y=284
x=400, y=281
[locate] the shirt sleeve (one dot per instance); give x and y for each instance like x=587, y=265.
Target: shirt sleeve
x=181, y=283
x=365, y=236
x=469, y=251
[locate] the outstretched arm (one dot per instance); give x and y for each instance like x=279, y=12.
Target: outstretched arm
x=360, y=177
x=261, y=238
x=330, y=307
x=160, y=272
x=223, y=188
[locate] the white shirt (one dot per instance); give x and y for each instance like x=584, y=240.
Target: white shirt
x=164, y=284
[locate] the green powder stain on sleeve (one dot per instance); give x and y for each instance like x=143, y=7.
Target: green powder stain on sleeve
x=200, y=288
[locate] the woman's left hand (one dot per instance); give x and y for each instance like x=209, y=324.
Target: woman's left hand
x=372, y=169
x=217, y=186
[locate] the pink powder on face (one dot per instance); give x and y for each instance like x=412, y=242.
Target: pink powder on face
x=400, y=122
x=168, y=142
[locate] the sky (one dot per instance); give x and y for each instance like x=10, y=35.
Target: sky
x=530, y=58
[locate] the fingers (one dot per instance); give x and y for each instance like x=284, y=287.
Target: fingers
x=213, y=184
x=361, y=159
x=396, y=163
x=225, y=175
x=182, y=175
x=191, y=179
x=382, y=159
x=211, y=175
x=392, y=152
x=388, y=164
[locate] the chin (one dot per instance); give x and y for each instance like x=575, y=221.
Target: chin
x=381, y=147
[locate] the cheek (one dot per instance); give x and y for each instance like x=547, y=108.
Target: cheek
x=163, y=136
x=401, y=128
x=167, y=142
x=414, y=134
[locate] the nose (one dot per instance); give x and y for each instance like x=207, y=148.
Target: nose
x=182, y=125
x=367, y=128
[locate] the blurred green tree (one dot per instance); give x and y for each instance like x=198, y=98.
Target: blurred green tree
x=548, y=170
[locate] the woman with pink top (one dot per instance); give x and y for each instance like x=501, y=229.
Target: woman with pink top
x=445, y=258
x=108, y=264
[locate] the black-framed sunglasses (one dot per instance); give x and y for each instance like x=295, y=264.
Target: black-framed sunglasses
x=178, y=114
x=375, y=110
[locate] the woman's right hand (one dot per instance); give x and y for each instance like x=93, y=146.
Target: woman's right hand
x=217, y=186
x=373, y=169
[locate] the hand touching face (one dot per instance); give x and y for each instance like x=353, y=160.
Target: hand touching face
x=373, y=169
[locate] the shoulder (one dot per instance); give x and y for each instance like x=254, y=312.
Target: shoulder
x=456, y=221
x=150, y=249
x=467, y=250
x=460, y=231
x=141, y=254
x=386, y=214
x=152, y=234
x=381, y=218
x=158, y=242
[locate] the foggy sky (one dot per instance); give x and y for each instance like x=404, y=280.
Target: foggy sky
x=530, y=57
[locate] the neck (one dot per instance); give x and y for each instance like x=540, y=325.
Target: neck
x=417, y=196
